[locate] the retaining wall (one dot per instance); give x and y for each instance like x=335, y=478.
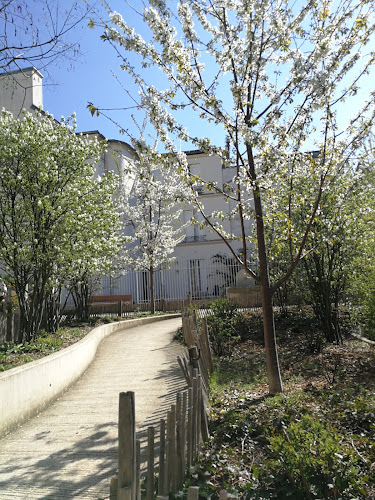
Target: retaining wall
x=27, y=389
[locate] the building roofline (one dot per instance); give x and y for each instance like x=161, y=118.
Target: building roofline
x=97, y=132
x=22, y=70
x=193, y=152
x=124, y=143
x=92, y=132
x=42, y=112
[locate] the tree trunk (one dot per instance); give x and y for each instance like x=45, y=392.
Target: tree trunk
x=152, y=291
x=85, y=290
x=272, y=360
x=31, y=308
x=52, y=311
x=324, y=294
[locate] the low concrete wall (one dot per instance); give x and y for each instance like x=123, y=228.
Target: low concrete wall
x=27, y=389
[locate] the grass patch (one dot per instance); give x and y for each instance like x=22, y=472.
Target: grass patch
x=12, y=355
x=237, y=372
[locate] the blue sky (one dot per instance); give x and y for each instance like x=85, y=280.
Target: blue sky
x=95, y=76
x=70, y=85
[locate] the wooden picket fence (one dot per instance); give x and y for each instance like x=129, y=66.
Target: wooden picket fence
x=198, y=352
x=180, y=436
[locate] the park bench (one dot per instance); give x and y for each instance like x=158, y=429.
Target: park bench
x=109, y=299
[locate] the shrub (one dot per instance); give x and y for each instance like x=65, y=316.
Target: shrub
x=368, y=309
x=309, y=461
x=225, y=325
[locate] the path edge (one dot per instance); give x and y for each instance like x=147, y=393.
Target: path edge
x=28, y=389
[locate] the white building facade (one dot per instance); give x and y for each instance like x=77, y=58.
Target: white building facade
x=203, y=266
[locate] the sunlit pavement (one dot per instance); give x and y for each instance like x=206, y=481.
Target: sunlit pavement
x=70, y=450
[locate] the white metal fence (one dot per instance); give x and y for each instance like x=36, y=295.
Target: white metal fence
x=197, y=278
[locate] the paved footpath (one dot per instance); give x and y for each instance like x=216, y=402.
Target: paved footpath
x=70, y=449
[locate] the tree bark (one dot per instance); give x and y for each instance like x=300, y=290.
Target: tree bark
x=272, y=360
x=152, y=290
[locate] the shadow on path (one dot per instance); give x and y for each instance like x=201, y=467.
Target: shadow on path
x=43, y=475
x=43, y=465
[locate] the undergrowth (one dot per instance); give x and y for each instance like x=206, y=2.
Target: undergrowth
x=316, y=441
x=16, y=354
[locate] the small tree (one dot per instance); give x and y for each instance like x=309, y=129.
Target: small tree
x=95, y=244
x=329, y=265
x=154, y=212
x=273, y=75
x=51, y=208
x=362, y=282
x=325, y=270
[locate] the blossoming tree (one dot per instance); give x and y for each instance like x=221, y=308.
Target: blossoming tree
x=333, y=245
x=56, y=217
x=362, y=280
x=153, y=212
x=276, y=76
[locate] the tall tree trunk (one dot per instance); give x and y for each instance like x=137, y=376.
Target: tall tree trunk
x=85, y=290
x=272, y=360
x=152, y=290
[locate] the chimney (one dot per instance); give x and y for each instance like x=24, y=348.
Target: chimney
x=21, y=89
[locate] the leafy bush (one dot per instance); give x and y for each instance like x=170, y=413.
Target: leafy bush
x=309, y=461
x=11, y=348
x=297, y=323
x=300, y=446
x=225, y=325
x=44, y=342
x=179, y=336
x=315, y=441
x=368, y=310
x=12, y=354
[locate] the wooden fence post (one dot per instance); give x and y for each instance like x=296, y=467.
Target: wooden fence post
x=193, y=493
x=171, y=449
x=196, y=415
x=206, y=341
x=179, y=443
x=126, y=447
x=150, y=463
x=162, y=461
x=138, y=471
x=113, y=487
x=199, y=411
x=190, y=429
x=183, y=434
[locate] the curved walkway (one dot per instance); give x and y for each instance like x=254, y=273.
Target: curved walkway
x=70, y=450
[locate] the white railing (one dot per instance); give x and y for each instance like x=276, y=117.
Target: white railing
x=198, y=279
